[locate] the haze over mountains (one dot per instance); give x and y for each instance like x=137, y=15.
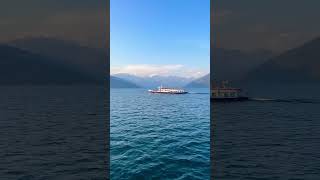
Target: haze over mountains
x=301, y=64
x=50, y=61
x=116, y=82
x=90, y=60
x=235, y=64
x=22, y=67
x=203, y=82
x=155, y=80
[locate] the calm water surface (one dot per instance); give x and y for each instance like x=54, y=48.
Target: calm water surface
x=53, y=132
x=274, y=136
x=158, y=136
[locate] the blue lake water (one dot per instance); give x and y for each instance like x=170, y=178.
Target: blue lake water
x=59, y=132
x=159, y=136
x=53, y=132
x=274, y=136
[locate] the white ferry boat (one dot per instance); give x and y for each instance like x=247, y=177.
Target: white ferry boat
x=225, y=93
x=165, y=90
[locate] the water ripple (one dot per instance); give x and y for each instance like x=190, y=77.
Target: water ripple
x=159, y=136
x=52, y=132
x=268, y=138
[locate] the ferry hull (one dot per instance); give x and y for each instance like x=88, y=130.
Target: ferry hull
x=154, y=92
x=229, y=99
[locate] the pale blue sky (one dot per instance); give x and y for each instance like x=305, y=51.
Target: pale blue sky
x=160, y=33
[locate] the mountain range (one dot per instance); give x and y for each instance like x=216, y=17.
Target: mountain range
x=90, y=60
x=50, y=61
x=132, y=81
x=116, y=82
x=203, y=82
x=235, y=64
x=155, y=81
x=301, y=64
x=22, y=67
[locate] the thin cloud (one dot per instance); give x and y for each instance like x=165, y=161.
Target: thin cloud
x=163, y=70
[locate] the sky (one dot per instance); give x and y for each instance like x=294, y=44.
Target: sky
x=163, y=37
x=82, y=21
x=272, y=25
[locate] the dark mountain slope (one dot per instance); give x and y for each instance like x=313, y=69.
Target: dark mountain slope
x=90, y=60
x=301, y=64
x=203, y=82
x=116, y=82
x=235, y=64
x=22, y=67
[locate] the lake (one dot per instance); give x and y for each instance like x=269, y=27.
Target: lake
x=159, y=136
x=273, y=136
x=60, y=132
x=53, y=132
